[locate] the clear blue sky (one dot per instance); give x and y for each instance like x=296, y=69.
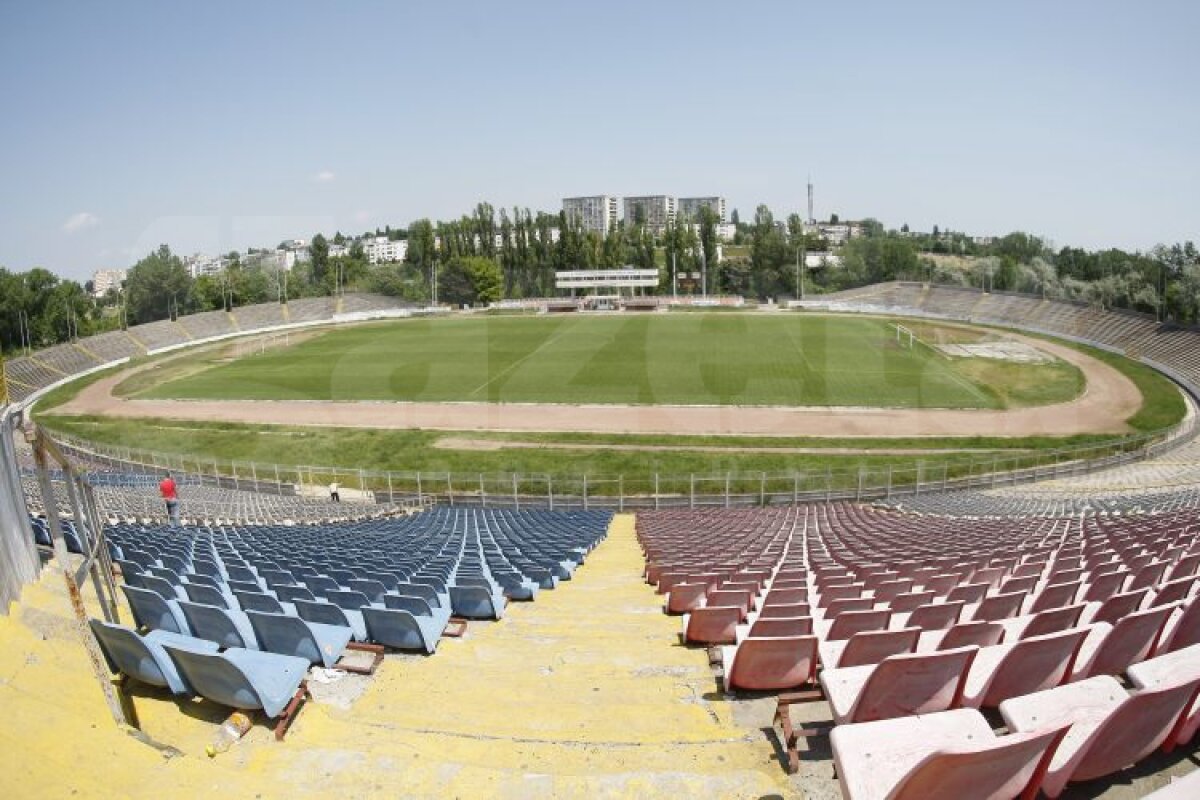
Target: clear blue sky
x=220, y=125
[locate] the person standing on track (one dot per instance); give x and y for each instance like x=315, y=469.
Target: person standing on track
x=334, y=495
x=171, y=497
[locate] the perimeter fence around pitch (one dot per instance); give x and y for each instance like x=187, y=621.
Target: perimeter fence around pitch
x=635, y=491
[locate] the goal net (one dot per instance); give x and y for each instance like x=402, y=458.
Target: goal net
x=261, y=344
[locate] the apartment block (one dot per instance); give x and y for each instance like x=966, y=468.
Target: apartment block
x=655, y=211
x=689, y=207
x=596, y=212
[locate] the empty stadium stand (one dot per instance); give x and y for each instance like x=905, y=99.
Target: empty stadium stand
x=28, y=374
x=840, y=603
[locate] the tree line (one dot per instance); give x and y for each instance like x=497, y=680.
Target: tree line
x=485, y=256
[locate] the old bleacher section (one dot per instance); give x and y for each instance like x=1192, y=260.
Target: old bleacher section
x=907, y=625
x=28, y=374
x=255, y=606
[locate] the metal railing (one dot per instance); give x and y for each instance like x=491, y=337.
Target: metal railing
x=627, y=491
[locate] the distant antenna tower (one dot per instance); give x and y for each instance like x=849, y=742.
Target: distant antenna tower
x=811, y=219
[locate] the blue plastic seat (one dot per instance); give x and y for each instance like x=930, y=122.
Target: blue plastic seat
x=263, y=602
x=290, y=594
x=477, y=602
x=238, y=573
x=320, y=585
x=373, y=589
x=143, y=657
x=348, y=600
x=200, y=593
x=330, y=614
x=417, y=607
x=164, y=588
x=153, y=612
x=226, y=628
x=402, y=630
x=245, y=679
x=293, y=636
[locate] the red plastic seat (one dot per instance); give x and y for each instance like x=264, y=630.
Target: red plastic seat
x=945, y=756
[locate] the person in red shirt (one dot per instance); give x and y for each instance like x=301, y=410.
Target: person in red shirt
x=171, y=497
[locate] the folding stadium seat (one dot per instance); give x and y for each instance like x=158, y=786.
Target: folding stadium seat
x=968, y=593
x=1175, y=591
x=1029, y=665
x=319, y=585
x=152, y=612
x=162, y=587
x=869, y=647
x=247, y=680
x=944, y=756
x=768, y=628
x=199, y=593
x=785, y=611
x=772, y=663
x=742, y=598
x=943, y=584
x=292, y=636
x=935, y=616
x=1043, y=622
x=885, y=592
x=349, y=600
x=226, y=628
x=174, y=563
x=1173, y=667
x=1110, y=729
x=1182, y=630
x=239, y=573
x=909, y=601
x=262, y=602
x=684, y=597
x=829, y=594
x=1148, y=575
x=712, y=625
x=165, y=573
x=1110, y=650
x=290, y=594
x=1186, y=566
x=979, y=634
x=782, y=597
x=1102, y=587
x=277, y=577
x=852, y=622
x=1055, y=595
x=846, y=604
x=330, y=614
x=143, y=657
x=477, y=602
x=998, y=607
x=423, y=592
x=900, y=685
x=1118, y=606
x=246, y=586
x=204, y=580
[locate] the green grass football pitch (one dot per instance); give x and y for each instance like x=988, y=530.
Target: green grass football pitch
x=726, y=359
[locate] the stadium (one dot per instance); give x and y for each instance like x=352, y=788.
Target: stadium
x=905, y=540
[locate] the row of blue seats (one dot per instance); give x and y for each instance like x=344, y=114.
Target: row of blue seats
x=454, y=561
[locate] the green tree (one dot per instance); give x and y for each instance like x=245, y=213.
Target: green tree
x=468, y=280
x=318, y=250
x=156, y=287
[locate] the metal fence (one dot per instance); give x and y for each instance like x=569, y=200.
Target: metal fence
x=652, y=490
